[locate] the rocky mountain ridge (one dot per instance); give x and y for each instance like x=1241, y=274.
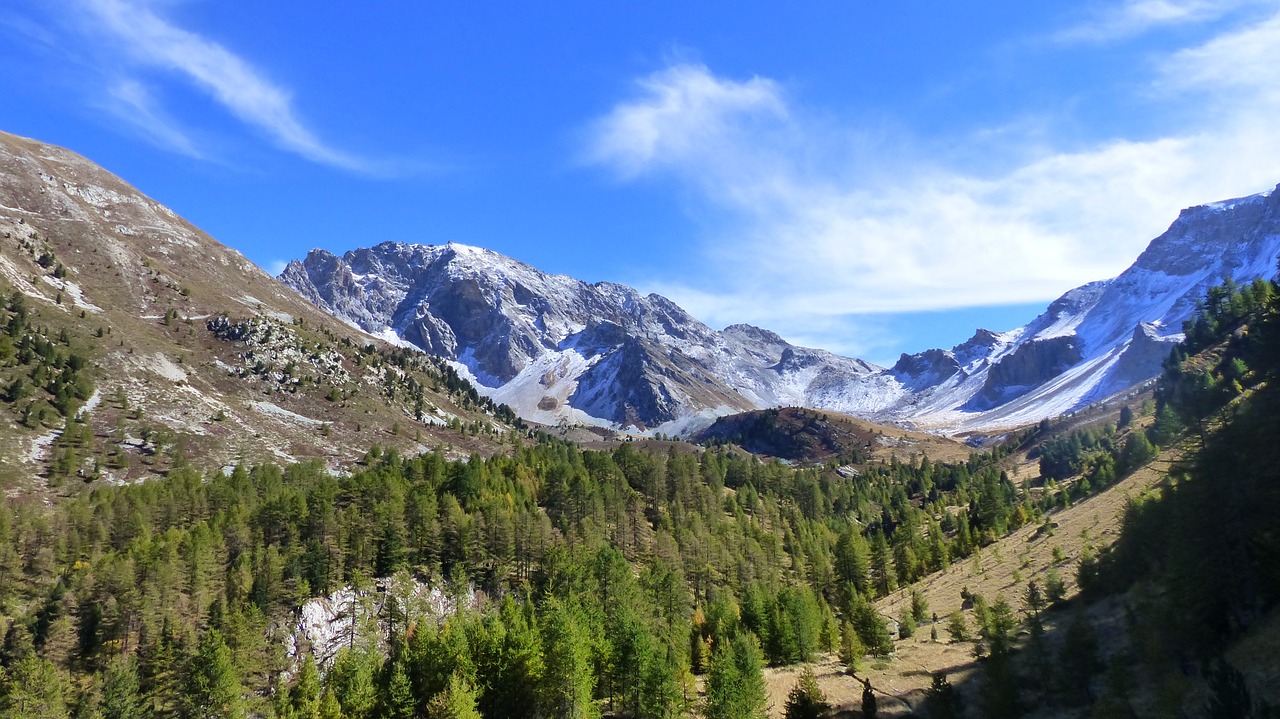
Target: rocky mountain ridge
x=1097, y=339
x=181, y=347
x=556, y=348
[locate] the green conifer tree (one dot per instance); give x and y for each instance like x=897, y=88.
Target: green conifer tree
x=211, y=689
x=457, y=701
x=806, y=700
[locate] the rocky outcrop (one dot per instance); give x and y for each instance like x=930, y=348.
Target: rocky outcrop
x=1029, y=366
x=926, y=369
x=552, y=346
x=1146, y=352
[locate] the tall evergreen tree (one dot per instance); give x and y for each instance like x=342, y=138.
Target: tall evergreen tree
x=806, y=700
x=211, y=689
x=457, y=701
x=735, y=680
x=121, y=691
x=568, y=681
x=33, y=688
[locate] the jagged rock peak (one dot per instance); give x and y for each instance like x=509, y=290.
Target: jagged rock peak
x=550, y=345
x=553, y=346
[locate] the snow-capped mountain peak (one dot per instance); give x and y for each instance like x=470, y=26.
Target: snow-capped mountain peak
x=554, y=347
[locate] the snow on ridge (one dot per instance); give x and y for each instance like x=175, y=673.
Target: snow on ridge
x=275, y=410
x=563, y=330
x=1225, y=205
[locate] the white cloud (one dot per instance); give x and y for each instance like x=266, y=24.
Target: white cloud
x=823, y=230
x=683, y=111
x=1134, y=17
x=1244, y=60
x=133, y=102
x=275, y=267
x=151, y=41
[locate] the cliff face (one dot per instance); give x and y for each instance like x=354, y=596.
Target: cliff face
x=554, y=347
x=1030, y=365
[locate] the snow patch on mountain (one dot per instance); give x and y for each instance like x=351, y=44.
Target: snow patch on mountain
x=558, y=349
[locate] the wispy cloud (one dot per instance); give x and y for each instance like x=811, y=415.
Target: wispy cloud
x=149, y=41
x=681, y=113
x=822, y=230
x=133, y=103
x=1128, y=18
x=1243, y=61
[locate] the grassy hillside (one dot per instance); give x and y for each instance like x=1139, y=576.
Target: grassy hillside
x=131, y=342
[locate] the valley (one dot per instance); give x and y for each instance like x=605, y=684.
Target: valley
x=494, y=492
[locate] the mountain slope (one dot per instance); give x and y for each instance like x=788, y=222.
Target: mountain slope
x=1097, y=339
x=553, y=347
x=183, y=346
x=557, y=348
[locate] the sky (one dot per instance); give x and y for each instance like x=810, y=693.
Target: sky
x=869, y=178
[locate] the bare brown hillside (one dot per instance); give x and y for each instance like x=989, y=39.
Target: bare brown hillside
x=193, y=351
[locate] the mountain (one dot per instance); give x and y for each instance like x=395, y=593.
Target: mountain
x=1095, y=340
x=166, y=344
x=554, y=347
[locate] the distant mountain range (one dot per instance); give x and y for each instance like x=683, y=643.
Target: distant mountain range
x=555, y=348
x=197, y=351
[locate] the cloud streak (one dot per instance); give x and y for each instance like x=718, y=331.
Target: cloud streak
x=1135, y=17
x=150, y=41
x=823, y=230
x=133, y=102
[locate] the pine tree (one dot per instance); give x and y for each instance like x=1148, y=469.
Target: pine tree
x=567, y=691
x=304, y=695
x=511, y=658
x=882, y=571
x=211, y=689
x=871, y=627
x=851, y=647
x=999, y=627
x=351, y=681
x=121, y=692
x=397, y=698
x=957, y=628
x=34, y=688
x=735, y=680
x=919, y=607
x=941, y=700
x=457, y=701
x=806, y=700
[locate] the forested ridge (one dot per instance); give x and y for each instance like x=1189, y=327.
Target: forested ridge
x=638, y=569
x=591, y=583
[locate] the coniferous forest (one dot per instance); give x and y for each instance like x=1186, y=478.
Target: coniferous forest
x=629, y=583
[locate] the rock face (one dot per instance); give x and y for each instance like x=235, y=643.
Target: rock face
x=553, y=347
x=1027, y=367
x=1100, y=338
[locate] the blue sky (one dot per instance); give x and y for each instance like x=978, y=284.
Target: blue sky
x=857, y=176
